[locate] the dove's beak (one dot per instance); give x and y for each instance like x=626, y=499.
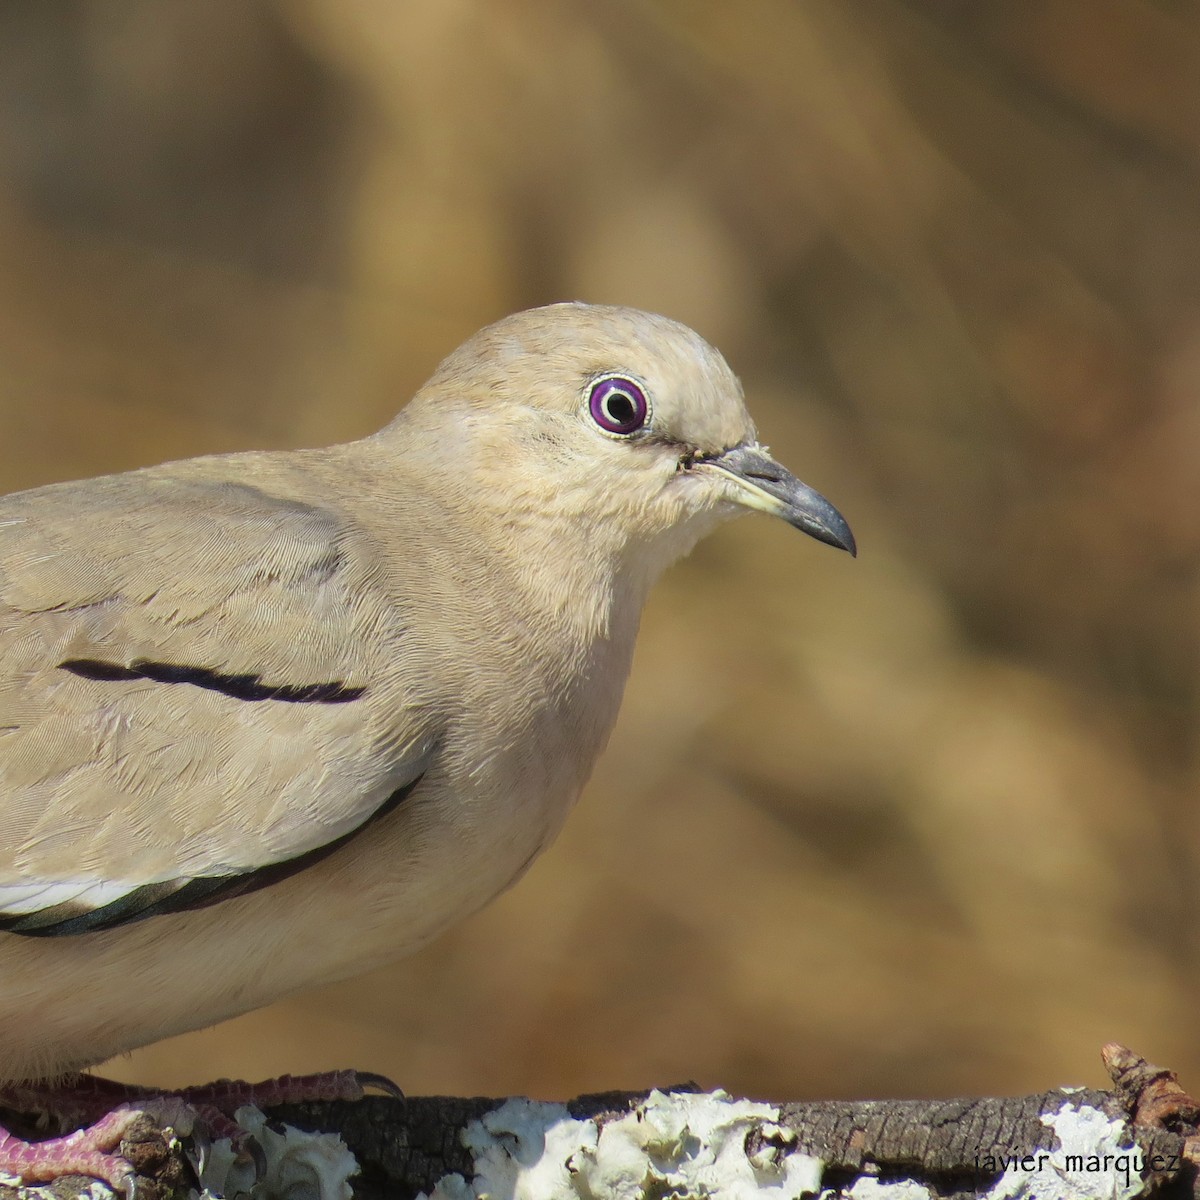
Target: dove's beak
x=763, y=484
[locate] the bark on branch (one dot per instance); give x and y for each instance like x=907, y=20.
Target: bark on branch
x=1138, y=1139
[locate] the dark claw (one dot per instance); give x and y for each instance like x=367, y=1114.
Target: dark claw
x=201, y=1144
x=252, y=1148
x=380, y=1083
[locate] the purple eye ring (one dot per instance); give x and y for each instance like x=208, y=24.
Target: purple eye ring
x=618, y=405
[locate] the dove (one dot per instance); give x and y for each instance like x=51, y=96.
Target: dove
x=273, y=719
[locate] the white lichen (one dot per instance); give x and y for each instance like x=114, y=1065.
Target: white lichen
x=681, y=1144
x=1095, y=1159
x=868, y=1188
x=299, y=1165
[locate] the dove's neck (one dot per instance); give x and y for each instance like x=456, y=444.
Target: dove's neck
x=587, y=577
x=571, y=559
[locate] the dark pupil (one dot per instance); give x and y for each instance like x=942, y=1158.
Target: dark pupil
x=621, y=409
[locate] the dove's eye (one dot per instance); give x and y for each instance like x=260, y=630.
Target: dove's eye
x=618, y=405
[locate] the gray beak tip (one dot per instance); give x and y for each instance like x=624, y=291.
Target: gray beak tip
x=833, y=531
x=767, y=486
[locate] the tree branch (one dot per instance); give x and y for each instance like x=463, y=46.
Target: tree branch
x=1138, y=1139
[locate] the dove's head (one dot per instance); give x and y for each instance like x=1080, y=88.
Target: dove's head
x=626, y=424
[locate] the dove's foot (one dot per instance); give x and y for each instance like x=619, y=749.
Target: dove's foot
x=229, y=1095
x=87, y=1151
x=106, y=1109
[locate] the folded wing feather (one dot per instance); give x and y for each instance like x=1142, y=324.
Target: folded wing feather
x=188, y=709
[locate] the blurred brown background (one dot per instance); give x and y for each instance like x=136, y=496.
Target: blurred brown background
x=921, y=824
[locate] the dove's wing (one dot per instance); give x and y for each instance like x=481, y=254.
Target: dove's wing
x=189, y=707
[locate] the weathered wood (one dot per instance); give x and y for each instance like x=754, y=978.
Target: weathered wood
x=1140, y=1138
x=952, y=1146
